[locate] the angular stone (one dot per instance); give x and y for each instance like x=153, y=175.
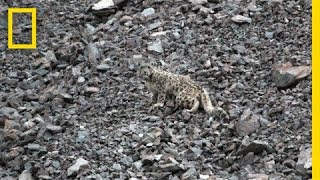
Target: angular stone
x=92, y=89
x=14, y=152
x=148, y=12
x=154, y=25
x=126, y=18
x=36, y=147
x=289, y=163
x=11, y=135
x=286, y=75
x=10, y=112
x=117, y=167
x=25, y=175
x=171, y=166
x=198, y=2
x=65, y=96
x=241, y=19
x=137, y=165
x=246, y=125
x=80, y=164
x=268, y=34
x=258, y=176
x=255, y=146
x=147, y=158
x=81, y=79
x=161, y=33
x=304, y=161
x=156, y=46
x=10, y=124
x=191, y=174
x=83, y=136
x=103, y=4
x=50, y=56
x=103, y=67
x=54, y=129
x=127, y=161
x=92, y=53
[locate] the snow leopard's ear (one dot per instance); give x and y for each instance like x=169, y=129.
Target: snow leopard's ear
x=142, y=63
x=154, y=64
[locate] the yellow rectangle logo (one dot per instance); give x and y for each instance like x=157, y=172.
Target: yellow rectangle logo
x=33, y=12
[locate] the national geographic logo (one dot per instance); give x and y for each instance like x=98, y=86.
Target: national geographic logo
x=33, y=12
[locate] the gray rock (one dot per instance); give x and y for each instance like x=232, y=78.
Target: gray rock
x=103, y=67
x=44, y=177
x=239, y=49
x=10, y=112
x=83, y=136
x=117, y=167
x=148, y=12
x=80, y=164
x=33, y=147
x=92, y=89
x=151, y=118
x=252, y=7
x=125, y=18
x=304, y=161
x=127, y=161
x=128, y=24
x=204, y=176
x=10, y=124
x=103, y=4
x=234, y=111
x=90, y=29
x=147, y=158
x=196, y=150
x=13, y=74
x=14, y=152
x=246, y=125
x=209, y=20
x=160, y=33
x=94, y=176
x=286, y=75
x=11, y=135
x=275, y=2
x=92, y=53
x=171, y=166
x=137, y=165
x=3, y=22
x=51, y=57
x=111, y=21
x=25, y=175
x=176, y=34
x=258, y=176
x=156, y=46
x=241, y=19
x=198, y=2
x=245, y=115
x=81, y=79
x=54, y=129
x=268, y=34
x=289, y=163
x=56, y=164
x=191, y=174
x=255, y=146
x=154, y=25
x=65, y=96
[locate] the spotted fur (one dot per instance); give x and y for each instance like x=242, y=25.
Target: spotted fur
x=186, y=92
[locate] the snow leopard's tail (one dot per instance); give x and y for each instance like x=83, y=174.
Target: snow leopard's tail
x=209, y=108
